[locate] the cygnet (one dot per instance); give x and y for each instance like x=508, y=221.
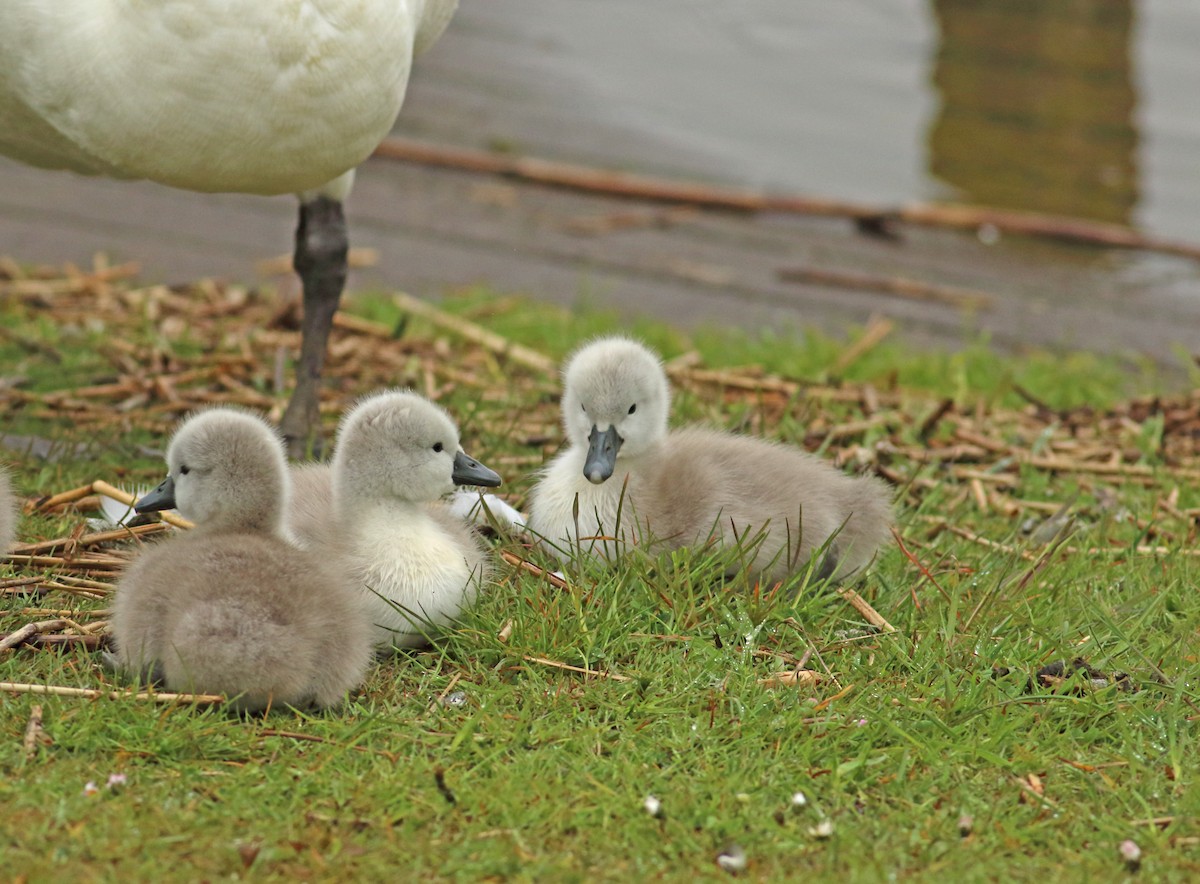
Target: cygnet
x=230, y=607
x=623, y=478
x=377, y=509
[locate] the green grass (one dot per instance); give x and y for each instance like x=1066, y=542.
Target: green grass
x=543, y=771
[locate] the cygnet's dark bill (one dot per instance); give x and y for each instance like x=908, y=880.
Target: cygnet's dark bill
x=469, y=471
x=602, y=454
x=161, y=498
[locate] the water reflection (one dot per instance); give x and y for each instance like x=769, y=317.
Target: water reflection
x=1083, y=107
x=1037, y=105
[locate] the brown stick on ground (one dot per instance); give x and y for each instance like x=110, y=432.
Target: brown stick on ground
x=875, y=333
x=35, y=735
x=620, y=184
x=599, y=673
x=864, y=607
x=28, y=631
x=127, y=533
x=87, y=642
x=49, y=503
x=18, y=581
x=72, y=283
x=900, y=286
x=92, y=694
x=526, y=565
x=1034, y=224
x=1063, y=465
x=791, y=678
x=102, y=487
x=476, y=334
x=89, y=566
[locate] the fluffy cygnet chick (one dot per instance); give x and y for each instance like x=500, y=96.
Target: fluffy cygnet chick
x=377, y=509
x=8, y=513
x=231, y=607
x=624, y=478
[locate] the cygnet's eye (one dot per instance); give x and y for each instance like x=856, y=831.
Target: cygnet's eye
x=184, y=470
x=633, y=408
x=438, y=447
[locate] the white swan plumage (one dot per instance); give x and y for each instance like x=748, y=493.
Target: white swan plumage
x=250, y=96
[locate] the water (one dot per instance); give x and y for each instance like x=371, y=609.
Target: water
x=1080, y=107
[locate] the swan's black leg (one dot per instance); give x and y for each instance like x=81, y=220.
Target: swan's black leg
x=320, y=259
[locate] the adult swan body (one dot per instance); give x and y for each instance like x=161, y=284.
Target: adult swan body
x=250, y=96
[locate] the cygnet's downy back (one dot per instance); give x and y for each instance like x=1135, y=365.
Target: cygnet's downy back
x=229, y=607
x=624, y=479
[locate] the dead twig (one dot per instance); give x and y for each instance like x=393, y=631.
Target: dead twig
x=63, y=497
x=94, y=694
x=877, y=330
x=920, y=567
x=538, y=571
x=828, y=701
x=792, y=678
x=87, y=642
x=898, y=286
x=477, y=334
x=72, y=282
x=599, y=673
x=29, y=630
x=102, y=487
x=864, y=607
x=619, y=184
x=35, y=734
x=72, y=543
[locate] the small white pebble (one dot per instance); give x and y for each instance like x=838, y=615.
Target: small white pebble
x=823, y=829
x=799, y=799
x=1131, y=853
x=653, y=806
x=90, y=788
x=116, y=779
x=732, y=858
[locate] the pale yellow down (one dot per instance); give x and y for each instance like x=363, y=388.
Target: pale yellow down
x=377, y=511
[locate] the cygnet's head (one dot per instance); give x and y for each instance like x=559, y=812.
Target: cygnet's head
x=400, y=445
x=615, y=403
x=226, y=470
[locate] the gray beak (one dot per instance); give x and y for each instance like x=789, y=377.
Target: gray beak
x=469, y=471
x=602, y=454
x=161, y=498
